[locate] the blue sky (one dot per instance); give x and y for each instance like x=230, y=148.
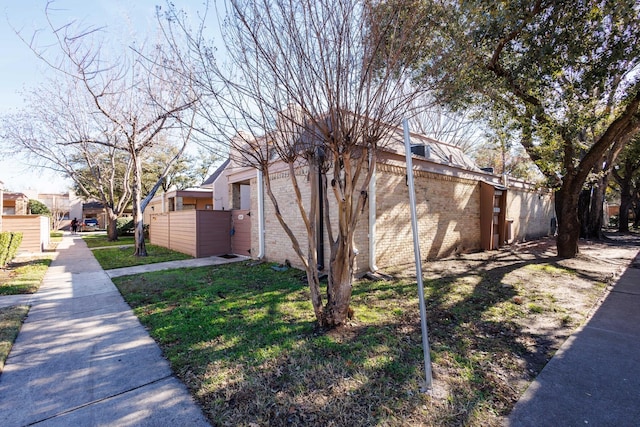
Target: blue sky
x=123, y=20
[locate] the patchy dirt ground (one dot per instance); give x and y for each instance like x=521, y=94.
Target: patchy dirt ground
x=528, y=300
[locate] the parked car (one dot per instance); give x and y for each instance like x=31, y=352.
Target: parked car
x=89, y=224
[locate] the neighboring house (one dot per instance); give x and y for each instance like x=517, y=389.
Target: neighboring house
x=179, y=200
x=15, y=203
x=17, y=218
x=94, y=210
x=217, y=182
x=199, y=221
x=213, y=194
x=460, y=208
x=63, y=206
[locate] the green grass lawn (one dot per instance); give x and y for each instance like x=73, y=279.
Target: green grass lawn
x=244, y=340
x=17, y=278
x=11, y=319
x=24, y=277
x=118, y=257
x=100, y=240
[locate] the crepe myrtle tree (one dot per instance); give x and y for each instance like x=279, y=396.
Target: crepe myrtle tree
x=117, y=103
x=311, y=84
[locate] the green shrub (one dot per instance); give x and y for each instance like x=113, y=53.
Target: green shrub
x=124, y=226
x=9, y=244
x=16, y=239
x=5, y=240
x=36, y=207
x=613, y=220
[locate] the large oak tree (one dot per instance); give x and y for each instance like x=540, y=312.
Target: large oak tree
x=565, y=72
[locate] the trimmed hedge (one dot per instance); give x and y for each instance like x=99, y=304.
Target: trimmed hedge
x=9, y=244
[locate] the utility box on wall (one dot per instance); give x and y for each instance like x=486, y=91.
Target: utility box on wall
x=493, y=207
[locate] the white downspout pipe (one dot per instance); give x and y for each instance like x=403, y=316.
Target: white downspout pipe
x=260, y=215
x=372, y=217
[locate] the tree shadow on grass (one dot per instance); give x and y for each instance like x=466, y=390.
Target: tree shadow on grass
x=258, y=361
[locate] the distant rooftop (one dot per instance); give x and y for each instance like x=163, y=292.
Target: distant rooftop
x=14, y=196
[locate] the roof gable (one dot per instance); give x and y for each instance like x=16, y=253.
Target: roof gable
x=217, y=173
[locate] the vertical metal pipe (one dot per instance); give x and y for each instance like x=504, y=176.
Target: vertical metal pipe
x=418, y=258
x=320, y=223
x=372, y=217
x=261, y=230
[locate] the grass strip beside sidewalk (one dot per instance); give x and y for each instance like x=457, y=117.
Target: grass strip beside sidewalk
x=97, y=240
x=23, y=277
x=11, y=319
x=119, y=257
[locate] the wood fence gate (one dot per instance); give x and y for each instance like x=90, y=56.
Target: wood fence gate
x=241, y=232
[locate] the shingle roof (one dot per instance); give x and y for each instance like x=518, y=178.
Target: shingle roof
x=217, y=173
x=435, y=151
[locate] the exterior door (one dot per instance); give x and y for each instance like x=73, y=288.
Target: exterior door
x=241, y=232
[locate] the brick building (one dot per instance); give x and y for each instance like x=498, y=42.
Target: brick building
x=15, y=203
x=460, y=208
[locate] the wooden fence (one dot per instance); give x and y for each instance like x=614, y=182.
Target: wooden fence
x=199, y=233
x=34, y=228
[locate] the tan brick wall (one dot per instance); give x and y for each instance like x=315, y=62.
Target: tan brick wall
x=278, y=246
x=531, y=212
x=448, y=209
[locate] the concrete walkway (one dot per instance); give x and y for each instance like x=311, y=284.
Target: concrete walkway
x=594, y=378
x=186, y=263
x=83, y=359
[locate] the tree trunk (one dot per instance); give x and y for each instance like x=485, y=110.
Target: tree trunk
x=596, y=217
x=112, y=225
x=625, y=204
x=313, y=278
x=136, y=196
x=592, y=218
x=584, y=206
x=339, y=289
x=568, y=222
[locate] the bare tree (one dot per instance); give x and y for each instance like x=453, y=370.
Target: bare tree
x=56, y=131
x=59, y=209
x=124, y=104
x=312, y=84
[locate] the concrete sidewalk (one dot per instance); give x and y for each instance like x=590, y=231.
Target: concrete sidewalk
x=83, y=359
x=185, y=263
x=594, y=378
